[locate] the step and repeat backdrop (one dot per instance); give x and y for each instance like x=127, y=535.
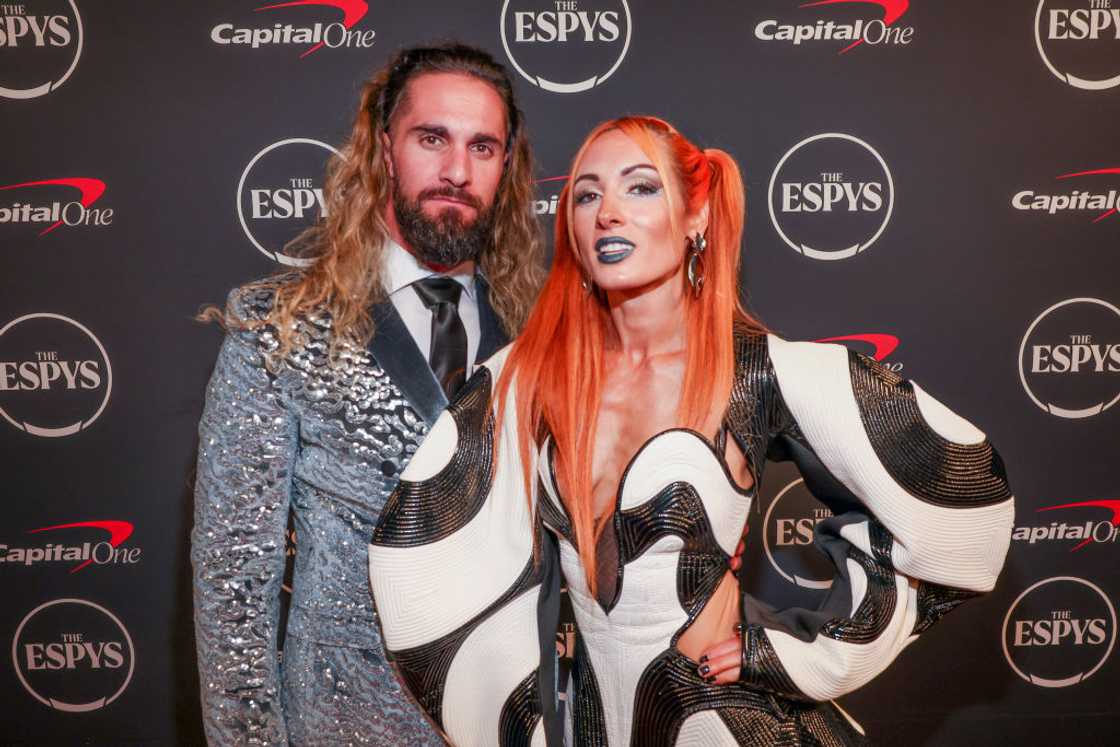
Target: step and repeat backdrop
x=934, y=183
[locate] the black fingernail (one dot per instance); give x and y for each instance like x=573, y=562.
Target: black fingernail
x=705, y=669
x=704, y=659
x=710, y=680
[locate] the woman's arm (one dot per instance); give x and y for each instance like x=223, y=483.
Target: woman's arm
x=922, y=519
x=247, y=446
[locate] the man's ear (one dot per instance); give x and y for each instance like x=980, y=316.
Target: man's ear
x=387, y=152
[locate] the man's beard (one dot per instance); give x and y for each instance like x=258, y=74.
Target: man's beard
x=443, y=240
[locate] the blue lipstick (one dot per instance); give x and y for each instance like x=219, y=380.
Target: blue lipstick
x=613, y=249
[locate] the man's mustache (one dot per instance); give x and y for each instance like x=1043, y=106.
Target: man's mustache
x=459, y=195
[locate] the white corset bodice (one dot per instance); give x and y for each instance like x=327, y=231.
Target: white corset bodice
x=678, y=518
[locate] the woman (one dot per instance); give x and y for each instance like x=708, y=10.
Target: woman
x=634, y=417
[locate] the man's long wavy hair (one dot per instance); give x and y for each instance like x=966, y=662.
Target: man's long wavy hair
x=347, y=246
x=557, y=362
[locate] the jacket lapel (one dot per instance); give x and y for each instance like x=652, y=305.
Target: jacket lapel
x=398, y=355
x=492, y=337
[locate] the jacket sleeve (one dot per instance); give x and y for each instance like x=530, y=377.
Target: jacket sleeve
x=465, y=602
x=922, y=519
x=247, y=445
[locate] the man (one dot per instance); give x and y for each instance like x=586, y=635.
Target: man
x=327, y=382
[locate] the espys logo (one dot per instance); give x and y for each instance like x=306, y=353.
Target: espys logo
x=73, y=655
x=1092, y=531
x=44, y=207
x=1079, y=200
x=336, y=35
x=831, y=196
x=566, y=46
x=40, y=45
x=878, y=32
x=1059, y=631
x=105, y=552
x=281, y=193
x=1079, y=41
x=789, y=523
x=55, y=376
x=1070, y=355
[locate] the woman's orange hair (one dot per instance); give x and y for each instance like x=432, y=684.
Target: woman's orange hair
x=557, y=361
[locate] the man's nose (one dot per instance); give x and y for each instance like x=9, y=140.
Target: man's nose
x=456, y=169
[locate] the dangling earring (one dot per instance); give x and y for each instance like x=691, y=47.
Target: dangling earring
x=695, y=263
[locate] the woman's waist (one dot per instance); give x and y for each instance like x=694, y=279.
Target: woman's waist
x=629, y=621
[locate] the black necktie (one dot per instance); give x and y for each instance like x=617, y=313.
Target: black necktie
x=448, y=352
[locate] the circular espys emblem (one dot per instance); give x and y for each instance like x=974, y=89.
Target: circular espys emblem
x=55, y=376
x=566, y=47
x=831, y=196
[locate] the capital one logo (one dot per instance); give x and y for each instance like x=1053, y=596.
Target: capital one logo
x=73, y=655
x=40, y=45
x=885, y=31
x=65, y=546
x=552, y=186
x=1079, y=41
x=308, y=30
x=875, y=344
x=281, y=193
x=1059, y=631
x=1089, y=528
x=1095, y=200
x=47, y=204
x=1069, y=359
x=55, y=376
x=831, y=196
x=566, y=46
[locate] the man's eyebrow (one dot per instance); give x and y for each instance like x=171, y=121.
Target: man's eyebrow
x=431, y=129
x=443, y=132
x=488, y=139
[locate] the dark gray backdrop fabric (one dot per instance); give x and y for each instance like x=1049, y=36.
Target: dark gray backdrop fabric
x=992, y=282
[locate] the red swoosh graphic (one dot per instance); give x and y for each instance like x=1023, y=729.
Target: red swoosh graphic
x=884, y=344
x=352, y=12
x=1092, y=172
x=1112, y=504
x=118, y=531
x=550, y=179
x=892, y=11
x=1095, y=172
x=91, y=190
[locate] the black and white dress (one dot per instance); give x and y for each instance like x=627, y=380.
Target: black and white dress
x=922, y=518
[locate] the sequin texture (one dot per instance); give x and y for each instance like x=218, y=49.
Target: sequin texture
x=328, y=442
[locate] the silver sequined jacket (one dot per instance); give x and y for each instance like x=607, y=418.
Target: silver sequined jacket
x=328, y=443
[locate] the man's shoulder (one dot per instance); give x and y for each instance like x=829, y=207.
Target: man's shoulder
x=254, y=302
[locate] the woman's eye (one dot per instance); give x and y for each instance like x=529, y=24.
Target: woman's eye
x=645, y=188
x=585, y=197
